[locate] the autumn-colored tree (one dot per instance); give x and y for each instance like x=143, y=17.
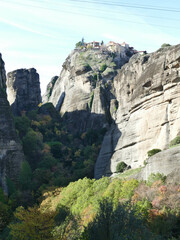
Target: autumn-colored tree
x=32, y=224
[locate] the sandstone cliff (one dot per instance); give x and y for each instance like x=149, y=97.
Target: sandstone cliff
x=164, y=162
x=147, y=90
x=11, y=155
x=139, y=101
x=82, y=93
x=23, y=90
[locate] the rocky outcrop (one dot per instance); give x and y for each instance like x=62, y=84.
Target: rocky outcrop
x=147, y=90
x=23, y=90
x=11, y=155
x=50, y=88
x=138, y=102
x=164, y=162
x=82, y=92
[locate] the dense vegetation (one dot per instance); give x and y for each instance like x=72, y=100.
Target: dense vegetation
x=54, y=157
x=57, y=198
x=102, y=209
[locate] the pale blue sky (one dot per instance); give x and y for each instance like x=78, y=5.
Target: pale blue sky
x=41, y=34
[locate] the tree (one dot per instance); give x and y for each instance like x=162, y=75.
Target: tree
x=152, y=152
x=115, y=224
x=32, y=146
x=25, y=177
x=5, y=215
x=67, y=225
x=78, y=44
x=103, y=67
x=22, y=124
x=165, y=45
x=32, y=224
x=121, y=167
x=56, y=149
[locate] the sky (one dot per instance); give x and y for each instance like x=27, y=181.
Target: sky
x=41, y=33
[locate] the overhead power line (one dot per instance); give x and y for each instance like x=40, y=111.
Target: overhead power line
x=147, y=7
x=87, y=14
x=128, y=5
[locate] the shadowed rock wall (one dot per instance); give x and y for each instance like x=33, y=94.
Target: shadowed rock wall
x=139, y=103
x=11, y=155
x=148, y=93
x=23, y=90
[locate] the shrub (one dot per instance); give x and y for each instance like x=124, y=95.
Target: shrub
x=78, y=44
x=152, y=152
x=56, y=149
x=155, y=177
x=22, y=124
x=175, y=141
x=128, y=187
x=87, y=67
x=121, y=167
x=103, y=67
x=32, y=144
x=91, y=100
x=142, y=208
x=165, y=45
x=5, y=215
x=25, y=176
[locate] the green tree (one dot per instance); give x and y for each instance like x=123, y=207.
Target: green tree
x=103, y=67
x=2, y=196
x=56, y=149
x=175, y=141
x=22, y=125
x=25, y=177
x=47, y=162
x=152, y=152
x=165, y=45
x=5, y=215
x=32, y=146
x=11, y=187
x=78, y=44
x=121, y=167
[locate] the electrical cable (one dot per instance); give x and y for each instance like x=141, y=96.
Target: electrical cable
x=76, y=13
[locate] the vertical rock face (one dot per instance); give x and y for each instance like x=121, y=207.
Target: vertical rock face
x=82, y=93
x=148, y=93
x=23, y=90
x=11, y=155
x=139, y=100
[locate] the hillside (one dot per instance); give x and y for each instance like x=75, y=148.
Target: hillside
x=136, y=102
x=112, y=112
x=104, y=209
